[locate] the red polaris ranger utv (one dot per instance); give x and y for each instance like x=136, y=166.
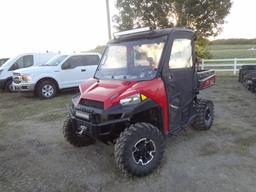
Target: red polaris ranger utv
x=145, y=88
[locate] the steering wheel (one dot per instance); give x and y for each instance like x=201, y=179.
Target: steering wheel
x=147, y=73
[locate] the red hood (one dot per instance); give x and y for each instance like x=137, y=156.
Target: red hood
x=107, y=91
x=111, y=91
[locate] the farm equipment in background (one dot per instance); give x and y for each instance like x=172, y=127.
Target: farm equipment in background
x=247, y=76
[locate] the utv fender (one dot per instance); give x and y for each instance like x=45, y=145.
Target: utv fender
x=148, y=111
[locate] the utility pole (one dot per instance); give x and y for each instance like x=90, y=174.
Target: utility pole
x=108, y=19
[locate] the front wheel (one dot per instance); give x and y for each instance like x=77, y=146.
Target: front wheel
x=46, y=89
x=139, y=149
x=8, y=86
x=205, y=115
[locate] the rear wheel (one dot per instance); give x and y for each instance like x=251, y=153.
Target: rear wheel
x=46, y=89
x=205, y=115
x=75, y=135
x=139, y=149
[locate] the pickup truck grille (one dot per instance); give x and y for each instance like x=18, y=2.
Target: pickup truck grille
x=16, y=74
x=16, y=78
x=91, y=103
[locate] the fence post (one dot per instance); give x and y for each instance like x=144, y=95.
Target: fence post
x=202, y=64
x=235, y=66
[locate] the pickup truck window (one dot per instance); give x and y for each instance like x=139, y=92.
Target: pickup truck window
x=2, y=61
x=23, y=62
x=80, y=60
x=55, y=60
x=91, y=59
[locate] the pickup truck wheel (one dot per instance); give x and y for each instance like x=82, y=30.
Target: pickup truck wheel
x=205, y=115
x=8, y=86
x=139, y=149
x=74, y=135
x=46, y=89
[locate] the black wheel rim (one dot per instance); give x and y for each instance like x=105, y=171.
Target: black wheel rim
x=79, y=131
x=143, y=151
x=208, y=116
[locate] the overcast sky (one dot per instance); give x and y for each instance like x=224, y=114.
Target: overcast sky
x=78, y=25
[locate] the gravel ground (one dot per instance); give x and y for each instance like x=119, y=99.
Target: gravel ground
x=35, y=157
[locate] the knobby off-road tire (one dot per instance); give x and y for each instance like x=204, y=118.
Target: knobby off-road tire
x=46, y=89
x=71, y=134
x=129, y=147
x=205, y=117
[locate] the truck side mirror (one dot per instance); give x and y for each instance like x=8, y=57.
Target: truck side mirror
x=66, y=66
x=14, y=67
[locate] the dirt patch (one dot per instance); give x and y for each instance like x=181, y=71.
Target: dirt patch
x=246, y=141
x=209, y=148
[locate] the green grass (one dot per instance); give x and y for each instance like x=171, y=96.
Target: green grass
x=15, y=107
x=232, y=51
x=52, y=116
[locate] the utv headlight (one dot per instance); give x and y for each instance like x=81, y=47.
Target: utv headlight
x=75, y=98
x=26, y=78
x=134, y=99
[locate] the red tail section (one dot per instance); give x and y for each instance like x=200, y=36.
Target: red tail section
x=207, y=78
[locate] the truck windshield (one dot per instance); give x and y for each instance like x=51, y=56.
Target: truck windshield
x=131, y=60
x=9, y=62
x=2, y=61
x=56, y=60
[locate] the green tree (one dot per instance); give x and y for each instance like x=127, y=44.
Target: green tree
x=204, y=16
x=201, y=48
x=140, y=13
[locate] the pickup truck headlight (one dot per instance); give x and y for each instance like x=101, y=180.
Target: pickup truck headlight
x=26, y=78
x=134, y=99
x=1, y=71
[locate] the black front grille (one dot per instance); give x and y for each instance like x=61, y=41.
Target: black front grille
x=92, y=103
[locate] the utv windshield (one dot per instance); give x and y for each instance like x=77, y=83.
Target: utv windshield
x=55, y=60
x=131, y=60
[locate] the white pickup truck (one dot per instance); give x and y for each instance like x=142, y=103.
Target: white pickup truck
x=61, y=72
x=21, y=61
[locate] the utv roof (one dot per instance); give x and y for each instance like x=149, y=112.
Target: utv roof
x=146, y=32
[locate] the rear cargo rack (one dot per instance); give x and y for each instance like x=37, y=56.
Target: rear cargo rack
x=206, y=78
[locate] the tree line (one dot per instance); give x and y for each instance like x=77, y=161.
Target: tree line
x=233, y=41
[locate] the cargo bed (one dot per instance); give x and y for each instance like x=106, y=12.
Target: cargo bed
x=206, y=78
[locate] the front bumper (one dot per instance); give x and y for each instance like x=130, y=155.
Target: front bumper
x=93, y=129
x=23, y=87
